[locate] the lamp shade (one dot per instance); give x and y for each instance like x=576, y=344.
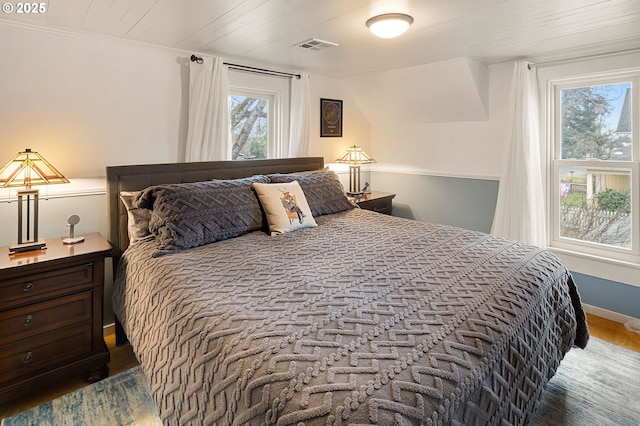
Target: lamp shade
x=29, y=168
x=355, y=155
x=389, y=25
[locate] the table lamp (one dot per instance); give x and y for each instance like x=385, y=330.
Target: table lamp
x=27, y=169
x=354, y=157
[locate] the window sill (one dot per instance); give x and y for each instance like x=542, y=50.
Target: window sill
x=601, y=267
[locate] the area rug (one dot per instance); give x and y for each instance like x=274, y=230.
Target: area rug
x=599, y=385
x=122, y=399
x=596, y=386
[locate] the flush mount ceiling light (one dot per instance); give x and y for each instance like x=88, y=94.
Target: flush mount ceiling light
x=389, y=25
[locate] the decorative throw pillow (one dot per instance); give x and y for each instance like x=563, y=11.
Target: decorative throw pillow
x=323, y=190
x=189, y=215
x=286, y=207
x=137, y=218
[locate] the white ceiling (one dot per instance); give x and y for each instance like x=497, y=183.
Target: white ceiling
x=265, y=31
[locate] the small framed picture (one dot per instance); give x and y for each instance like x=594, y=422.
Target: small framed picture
x=330, y=118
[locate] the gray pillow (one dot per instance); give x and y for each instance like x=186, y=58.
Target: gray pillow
x=189, y=215
x=137, y=218
x=323, y=190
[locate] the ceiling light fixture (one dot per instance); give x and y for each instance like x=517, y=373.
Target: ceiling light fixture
x=389, y=25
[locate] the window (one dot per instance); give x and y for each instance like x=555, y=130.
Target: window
x=595, y=175
x=259, y=109
x=251, y=125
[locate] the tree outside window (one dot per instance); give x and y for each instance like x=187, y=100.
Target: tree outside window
x=596, y=122
x=593, y=170
x=249, y=127
x=259, y=115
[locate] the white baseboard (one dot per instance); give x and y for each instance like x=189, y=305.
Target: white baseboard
x=108, y=329
x=604, y=313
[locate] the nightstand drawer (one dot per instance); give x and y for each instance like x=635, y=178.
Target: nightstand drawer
x=43, y=352
x=381, y=202
x=38, y=285
x=24, y=322
x=378, y=205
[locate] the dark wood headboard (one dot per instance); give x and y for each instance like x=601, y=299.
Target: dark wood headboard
x=138, y=177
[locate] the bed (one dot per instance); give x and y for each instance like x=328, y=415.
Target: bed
x=357, y=319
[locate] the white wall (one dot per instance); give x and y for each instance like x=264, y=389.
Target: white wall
x=356, y=129
x=85, y=102
x=450, y=146
x=466, y=141
x=443, y=165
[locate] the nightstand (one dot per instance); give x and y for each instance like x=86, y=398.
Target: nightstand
x=376, y=201
x=51, y=315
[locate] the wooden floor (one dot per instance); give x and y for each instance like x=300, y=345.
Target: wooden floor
x=122, y=359
x=613, y=332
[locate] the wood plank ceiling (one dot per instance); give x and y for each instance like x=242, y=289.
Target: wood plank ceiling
x=266, y=31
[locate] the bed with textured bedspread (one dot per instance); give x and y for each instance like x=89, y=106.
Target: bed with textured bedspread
x=364, y=319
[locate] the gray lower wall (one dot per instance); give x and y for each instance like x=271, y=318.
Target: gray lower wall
x=466, y=203
x=470, y=203
x=610, y=295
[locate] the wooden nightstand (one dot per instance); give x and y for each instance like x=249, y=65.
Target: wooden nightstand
x=376, y=201
x=51, y=315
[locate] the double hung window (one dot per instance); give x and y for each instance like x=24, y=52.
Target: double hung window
x=595, y=176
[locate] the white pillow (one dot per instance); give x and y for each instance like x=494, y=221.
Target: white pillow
x=285, y=205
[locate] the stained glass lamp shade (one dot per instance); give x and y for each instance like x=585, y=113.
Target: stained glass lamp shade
x=354, y=157
x=28, y=169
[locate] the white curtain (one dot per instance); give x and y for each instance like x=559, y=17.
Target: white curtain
x=520, y=212
x=208, y=135
x=299, y=117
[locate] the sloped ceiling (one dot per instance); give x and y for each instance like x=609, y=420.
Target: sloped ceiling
x=453, y=90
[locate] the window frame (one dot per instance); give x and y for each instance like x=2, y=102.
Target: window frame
x=277, y=90
x=553, y=130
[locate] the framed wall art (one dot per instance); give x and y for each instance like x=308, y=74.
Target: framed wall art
x=330, y=118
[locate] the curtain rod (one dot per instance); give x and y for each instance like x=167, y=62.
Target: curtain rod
x=199, y=60
x=581, y=58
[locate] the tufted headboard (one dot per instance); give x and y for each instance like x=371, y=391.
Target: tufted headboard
x=138, y=177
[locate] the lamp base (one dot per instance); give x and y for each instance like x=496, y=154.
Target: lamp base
x=29, y=246
x=355, y=194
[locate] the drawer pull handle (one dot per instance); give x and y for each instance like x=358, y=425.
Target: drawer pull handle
x=27, y=320
x=27, y=287
x=27, y=357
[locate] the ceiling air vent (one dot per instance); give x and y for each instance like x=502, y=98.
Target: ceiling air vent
x=315, y=44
